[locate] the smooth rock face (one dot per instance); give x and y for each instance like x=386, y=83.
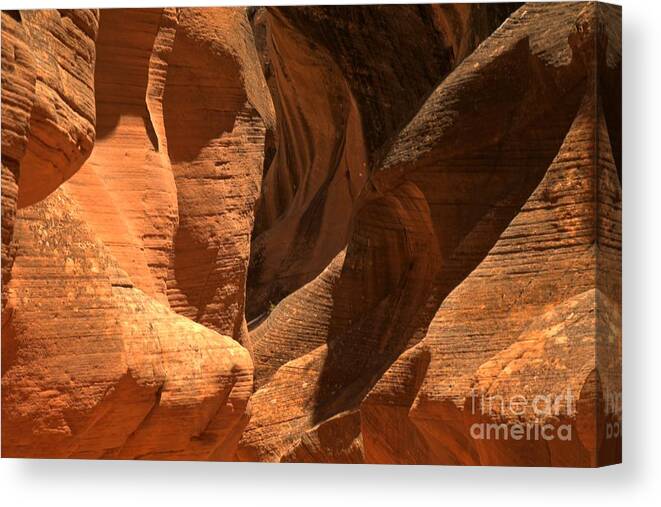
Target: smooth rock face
x=370, y=234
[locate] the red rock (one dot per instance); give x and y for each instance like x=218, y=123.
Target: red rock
x=418, y=209
x=529, y=336
x=531, y=320
x=126, y=190
x=48, y=107
x=97, y=361
x=18, y=79
x=177, y=146
x=94, y=368
x=335, y=440
x=62, y=116
x=329, y=137
x=471, y=170
x=215, y=141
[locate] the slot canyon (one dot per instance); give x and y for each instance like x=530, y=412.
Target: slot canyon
x=312, y=234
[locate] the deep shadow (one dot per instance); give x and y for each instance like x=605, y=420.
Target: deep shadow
x=365, y=339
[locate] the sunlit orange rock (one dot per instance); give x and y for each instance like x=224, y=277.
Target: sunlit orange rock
x=95, y=368
x=366, y=234
x=47, y=107
x=101, y=354
x=180, y=111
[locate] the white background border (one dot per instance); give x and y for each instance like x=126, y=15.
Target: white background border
x=637, y=481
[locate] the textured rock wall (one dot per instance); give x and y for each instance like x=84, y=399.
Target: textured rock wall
x=338, y=107
x=47, y=105
x=95, y=368
x=62, y=117
x=529, y=334
x=535, y=321
x=102, y=355
x=385, y=234
x=479, y=218
x=214, y=100
x=18, y=78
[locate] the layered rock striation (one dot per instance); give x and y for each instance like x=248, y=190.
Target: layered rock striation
x=124, y=322
x=475, y=242
x=369, y=234
x=339, y=105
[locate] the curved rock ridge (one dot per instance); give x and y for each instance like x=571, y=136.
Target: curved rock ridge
x=62, y=117
x=503, y=338
x=214, y=99
x=94, y=368
x=180, y=109
x=289, y=332
x=47, y=107
x=338, y=106
x=474, y=163
x=126, y=190
x=365, y=234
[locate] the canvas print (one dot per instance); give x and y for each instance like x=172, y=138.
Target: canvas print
x=382, y=234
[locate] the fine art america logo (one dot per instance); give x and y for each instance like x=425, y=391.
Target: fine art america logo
x=543, y=408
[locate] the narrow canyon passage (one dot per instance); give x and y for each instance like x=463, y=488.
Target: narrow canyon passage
x=310, y=234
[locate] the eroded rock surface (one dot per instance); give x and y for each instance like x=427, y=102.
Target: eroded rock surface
x=488, y=188
x=526, y=323
x=344, y=82
x=384, y=234
x=47, y=107
x=124, y=318
x=95, y=368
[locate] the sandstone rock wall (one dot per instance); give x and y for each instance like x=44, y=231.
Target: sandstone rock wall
x=338, y=107
x=313, y=234
x=479, y=218
x=125, y=305
x=93, y=367
x=47, y=105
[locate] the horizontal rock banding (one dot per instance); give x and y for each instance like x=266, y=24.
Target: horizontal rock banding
x=372, y=234
x=102, y=357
